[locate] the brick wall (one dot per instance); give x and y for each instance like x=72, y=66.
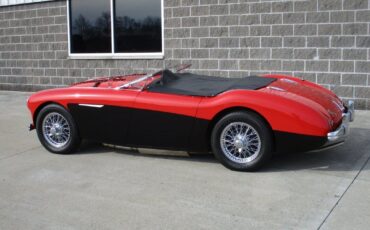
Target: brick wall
x=324, y=41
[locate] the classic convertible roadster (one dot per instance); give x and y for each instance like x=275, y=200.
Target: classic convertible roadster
x=241, y=120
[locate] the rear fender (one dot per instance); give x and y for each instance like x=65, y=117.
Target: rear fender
x=303, y=82
x=284, y=114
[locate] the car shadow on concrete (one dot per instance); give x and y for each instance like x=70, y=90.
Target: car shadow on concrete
x=341, y=158
x=96, y=148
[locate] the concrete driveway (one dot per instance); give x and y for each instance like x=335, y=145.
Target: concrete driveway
x=107, y=188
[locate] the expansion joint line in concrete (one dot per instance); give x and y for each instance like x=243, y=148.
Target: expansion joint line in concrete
x=18, y=153
x=345, y=191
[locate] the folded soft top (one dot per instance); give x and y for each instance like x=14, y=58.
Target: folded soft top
x=200, y=85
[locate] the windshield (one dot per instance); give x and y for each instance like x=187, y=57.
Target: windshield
x=142, y=82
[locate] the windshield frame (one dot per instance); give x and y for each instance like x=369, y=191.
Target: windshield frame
x=147, y=76
x=141, y=79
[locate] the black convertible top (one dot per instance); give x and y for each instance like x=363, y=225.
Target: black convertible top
x=200, y=85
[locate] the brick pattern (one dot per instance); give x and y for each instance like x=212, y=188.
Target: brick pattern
x=324, y=41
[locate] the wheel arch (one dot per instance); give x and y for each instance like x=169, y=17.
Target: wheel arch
x=41, y=106
x=229, y=110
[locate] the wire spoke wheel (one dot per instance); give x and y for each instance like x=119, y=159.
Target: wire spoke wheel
x=240, y=142
x=56, y=129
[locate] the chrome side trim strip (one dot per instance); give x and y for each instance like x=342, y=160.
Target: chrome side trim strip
x=289, y=80
x=91, y=105
x=276, y=88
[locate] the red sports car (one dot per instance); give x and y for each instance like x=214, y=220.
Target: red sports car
x=241, y=120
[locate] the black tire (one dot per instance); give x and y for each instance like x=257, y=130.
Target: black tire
x=73, y=141
x=259, y=125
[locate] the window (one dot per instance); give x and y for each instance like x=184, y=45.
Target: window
x=90, y=28
x=137, y=26
x=115, y=28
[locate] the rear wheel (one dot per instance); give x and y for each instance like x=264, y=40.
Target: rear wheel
x=242, y=141
x=57, y=130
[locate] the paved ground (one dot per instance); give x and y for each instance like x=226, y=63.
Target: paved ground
x=105, y=188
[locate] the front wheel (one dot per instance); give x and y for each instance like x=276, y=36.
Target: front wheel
x=242, y=141
x=57, y=130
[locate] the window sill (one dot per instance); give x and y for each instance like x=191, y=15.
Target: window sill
x=116, y=56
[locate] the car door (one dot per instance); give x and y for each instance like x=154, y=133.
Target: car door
x=162, y=120
x=104, y=114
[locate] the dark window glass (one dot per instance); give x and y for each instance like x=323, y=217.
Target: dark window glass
x=90, y=26
x=138, y=26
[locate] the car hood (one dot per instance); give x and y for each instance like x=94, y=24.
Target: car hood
x=108, y=82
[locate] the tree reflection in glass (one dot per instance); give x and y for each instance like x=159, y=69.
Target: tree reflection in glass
x=90, y=26
x=138, y=26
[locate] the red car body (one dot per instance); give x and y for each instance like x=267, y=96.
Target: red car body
x=300, y=114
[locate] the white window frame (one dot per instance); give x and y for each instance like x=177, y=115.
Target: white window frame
x=19, y=2
x=113, y=55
